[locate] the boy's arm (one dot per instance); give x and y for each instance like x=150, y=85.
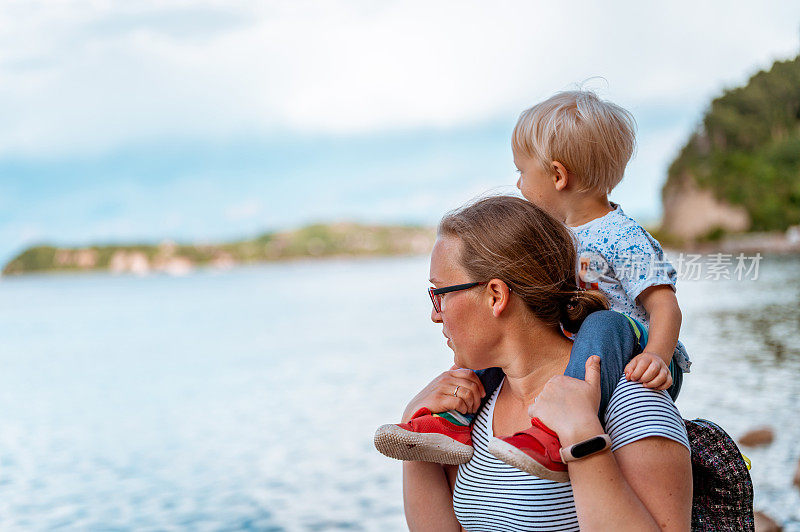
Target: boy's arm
x=665, y=324
x=632, y=249
x=665, y=320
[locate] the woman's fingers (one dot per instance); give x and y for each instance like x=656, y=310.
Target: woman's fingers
x=463, y=373
x=461, y=402
x=457, y=398
x=463, y=390
x=565, y=402
x=592, y=375
x=457, y=403
x=438, y=395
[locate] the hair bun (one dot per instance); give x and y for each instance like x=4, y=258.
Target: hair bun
x=580, y=304
x=572, y=302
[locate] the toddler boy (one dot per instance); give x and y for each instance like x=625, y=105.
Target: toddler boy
x=571, y=150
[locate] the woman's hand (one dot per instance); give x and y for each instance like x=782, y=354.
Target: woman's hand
x=438, y=395
x=569, y=406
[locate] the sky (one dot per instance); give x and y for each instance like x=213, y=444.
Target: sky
x=209, y=120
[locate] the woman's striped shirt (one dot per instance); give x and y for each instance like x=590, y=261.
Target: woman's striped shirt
x=494, y=496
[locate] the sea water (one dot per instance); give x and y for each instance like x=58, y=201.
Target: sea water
x=247, y=399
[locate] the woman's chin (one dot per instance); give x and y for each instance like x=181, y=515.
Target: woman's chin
x=457, y=361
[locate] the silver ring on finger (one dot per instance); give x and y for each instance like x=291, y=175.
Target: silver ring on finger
x=455, y=392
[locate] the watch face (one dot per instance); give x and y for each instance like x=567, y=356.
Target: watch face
x=585, y=448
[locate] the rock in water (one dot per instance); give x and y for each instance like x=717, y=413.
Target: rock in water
x=796, y=480
x=757, y=437
x=765, y=523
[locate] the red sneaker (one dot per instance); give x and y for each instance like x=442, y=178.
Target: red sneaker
x=535, y=451
x=426, y=438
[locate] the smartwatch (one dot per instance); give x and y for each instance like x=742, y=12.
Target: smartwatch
x=585, y=448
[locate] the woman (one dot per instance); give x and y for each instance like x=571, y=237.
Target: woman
x=525, y=262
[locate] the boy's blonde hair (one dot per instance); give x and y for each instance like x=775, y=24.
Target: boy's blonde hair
x=594, y=139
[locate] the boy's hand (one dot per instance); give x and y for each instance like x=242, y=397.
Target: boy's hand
x=650, y=370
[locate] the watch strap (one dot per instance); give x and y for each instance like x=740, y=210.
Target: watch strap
x=593, y=445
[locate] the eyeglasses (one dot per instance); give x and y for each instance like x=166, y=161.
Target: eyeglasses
x=436, y=293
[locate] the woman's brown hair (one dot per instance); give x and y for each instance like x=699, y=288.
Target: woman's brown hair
x=511, y=239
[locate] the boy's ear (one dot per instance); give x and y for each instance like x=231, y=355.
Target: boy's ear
x=560, y=176
x=499, y=294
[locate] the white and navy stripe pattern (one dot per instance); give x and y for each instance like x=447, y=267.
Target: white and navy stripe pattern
x=491, y=495
x=635, y=412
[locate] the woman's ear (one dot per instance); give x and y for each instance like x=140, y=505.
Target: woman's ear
x=499, y=296
x=560, y=176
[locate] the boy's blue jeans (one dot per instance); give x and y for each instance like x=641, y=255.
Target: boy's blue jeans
x=616, y=339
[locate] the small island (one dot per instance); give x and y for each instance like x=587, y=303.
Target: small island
x=313, y=241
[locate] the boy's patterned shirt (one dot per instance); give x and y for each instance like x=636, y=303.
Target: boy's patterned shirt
x=620, y=258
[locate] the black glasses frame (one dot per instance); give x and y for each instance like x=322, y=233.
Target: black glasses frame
x=434, y=292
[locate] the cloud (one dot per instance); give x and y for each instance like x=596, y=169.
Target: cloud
x=86, y=77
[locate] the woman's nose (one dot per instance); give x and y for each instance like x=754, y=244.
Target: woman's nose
x=436, y=317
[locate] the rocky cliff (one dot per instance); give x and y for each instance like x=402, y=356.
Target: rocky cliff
x=740, y=171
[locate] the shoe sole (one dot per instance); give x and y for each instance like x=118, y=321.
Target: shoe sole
x=402, y=444
x=512, y=456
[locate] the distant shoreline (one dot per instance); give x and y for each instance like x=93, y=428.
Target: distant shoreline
x=319, y=241
x=208, y=269
x=314, y=242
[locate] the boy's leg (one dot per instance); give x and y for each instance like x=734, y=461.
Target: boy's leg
x=443, y=438
x=616, y=339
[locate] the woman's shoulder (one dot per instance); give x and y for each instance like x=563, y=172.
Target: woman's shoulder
x=635, y=412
